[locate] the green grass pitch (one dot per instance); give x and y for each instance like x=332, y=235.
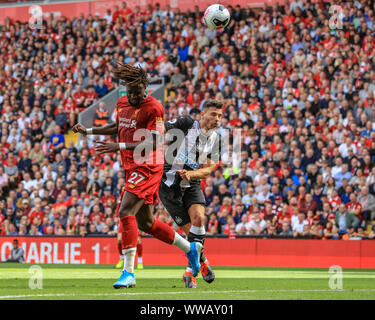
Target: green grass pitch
x=164, y=283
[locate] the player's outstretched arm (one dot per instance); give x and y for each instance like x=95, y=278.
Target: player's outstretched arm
x=202, y=173
x=106, y=147
x=151, y=143
x=108, y=129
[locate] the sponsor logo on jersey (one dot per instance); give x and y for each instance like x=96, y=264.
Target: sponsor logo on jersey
x=188, y=160
x=127, y=123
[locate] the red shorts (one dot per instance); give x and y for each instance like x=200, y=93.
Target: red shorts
x=143, y=182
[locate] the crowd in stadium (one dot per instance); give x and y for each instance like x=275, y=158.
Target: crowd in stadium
x=302, y=93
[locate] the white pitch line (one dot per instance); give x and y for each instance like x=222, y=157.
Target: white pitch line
x=173, y=292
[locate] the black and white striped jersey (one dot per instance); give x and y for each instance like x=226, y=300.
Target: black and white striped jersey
x=188, y=149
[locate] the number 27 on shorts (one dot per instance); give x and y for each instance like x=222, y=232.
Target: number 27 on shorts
x=135, y=178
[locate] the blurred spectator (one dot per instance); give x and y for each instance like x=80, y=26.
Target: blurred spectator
x=316, y=229
x=101, y=88
x=92, y=230
x=345, y=221
x=256, y=224
x=242, y=227
x=230, y=227
x=299, y=224
x=285, y=229
x=57, y=139
x=213, y=226
x=101, y=116
x=17, y=254
x=3, y=178
x=270, y=228
x=367, y=202
x=61, y=118
x=331, y=231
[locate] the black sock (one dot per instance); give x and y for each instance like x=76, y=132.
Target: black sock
x=197, y=238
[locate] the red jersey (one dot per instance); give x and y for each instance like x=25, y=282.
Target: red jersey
x=111, y=197
x=355, y=206
x=235, y=122
x=334, y=202
x=148, y=116
x=33, y=214
x=125, y=12
x=101, y=215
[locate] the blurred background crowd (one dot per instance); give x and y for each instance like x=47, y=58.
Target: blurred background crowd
x=302, y=93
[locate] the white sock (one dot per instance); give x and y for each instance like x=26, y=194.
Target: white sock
x=188, y=269
x=181, y=243
x=129, y=257
x=199, y=231
x=124, y=258
x=140, y=260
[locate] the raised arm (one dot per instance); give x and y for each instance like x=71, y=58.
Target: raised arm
x=150, y=143
x=108, y=129
x=201, y=173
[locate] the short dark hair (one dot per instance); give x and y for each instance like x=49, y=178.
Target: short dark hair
x=212, y=103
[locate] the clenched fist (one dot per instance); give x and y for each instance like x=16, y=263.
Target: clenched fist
x=185, y=175
x=80, y=129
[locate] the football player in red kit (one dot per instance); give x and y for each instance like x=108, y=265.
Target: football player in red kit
x=139, y=116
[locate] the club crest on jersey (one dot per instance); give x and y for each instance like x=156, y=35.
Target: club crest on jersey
x=133, y=124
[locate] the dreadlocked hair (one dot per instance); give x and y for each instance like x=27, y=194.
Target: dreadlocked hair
x=131, y=74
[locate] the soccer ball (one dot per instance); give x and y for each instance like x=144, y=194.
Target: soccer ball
x=216, y=16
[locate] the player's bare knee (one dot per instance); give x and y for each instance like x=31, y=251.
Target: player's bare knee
x=196, y=213
x=197, y=219
x=125, y=212
x=126, y=209
x=145, y=226
x=198, y=222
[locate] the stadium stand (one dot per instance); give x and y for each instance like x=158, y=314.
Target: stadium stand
x=302, y=93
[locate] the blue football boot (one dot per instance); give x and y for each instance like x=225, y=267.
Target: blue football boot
x=126, y=280
x=193, y=257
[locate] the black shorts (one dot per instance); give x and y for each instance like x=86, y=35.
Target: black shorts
x=177, y=201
